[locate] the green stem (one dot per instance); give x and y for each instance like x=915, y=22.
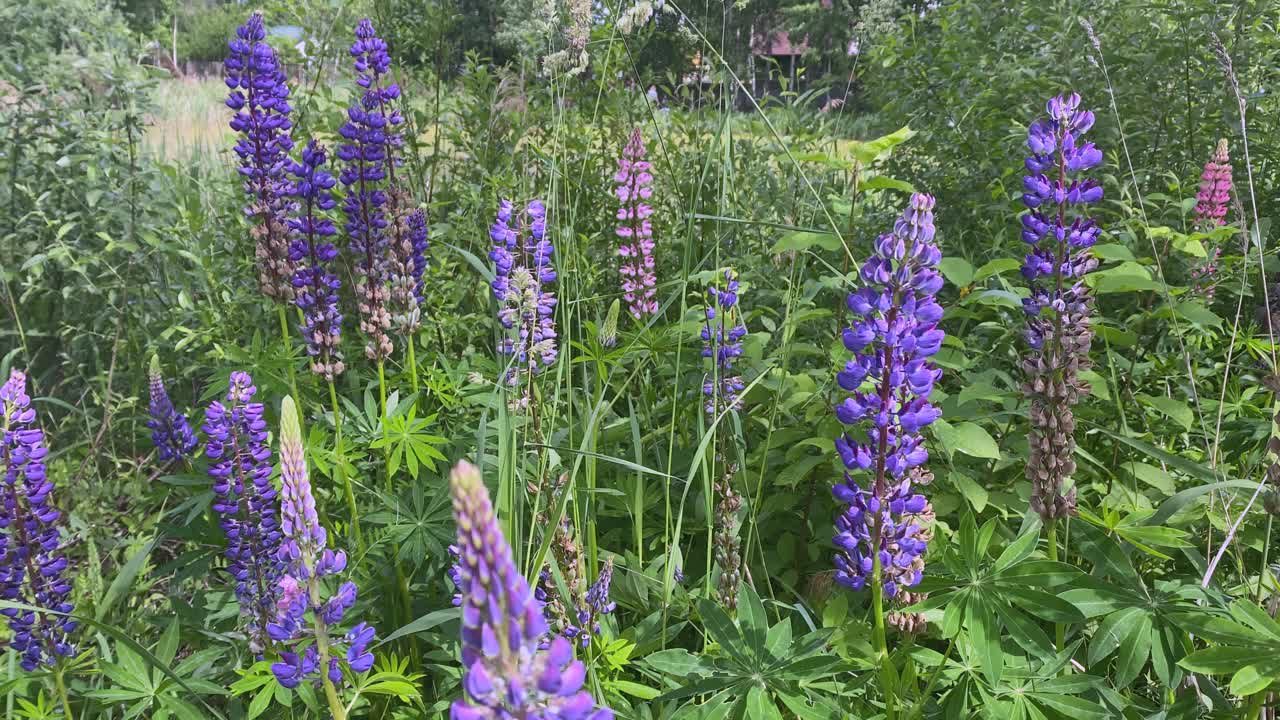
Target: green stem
x=339, y=463
x=402, y=583
x=336, y=709
x=288, y=349
x=882, y=645
x=1255, y=708
x=918, y=707
x=60, y=683
x=1059, y=632
x=411, y=340
x=1266, y=551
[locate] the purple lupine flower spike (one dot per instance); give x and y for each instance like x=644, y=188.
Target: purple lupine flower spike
x=722, y=341
x=259, y=95
x=170, y=431
x=1060, y=233
x=507, y=675
x=523, y=284
x=888, y=381
x=315, y=284
x=367, y=142
x=1211, y=212
x=32, y=561
x=597, y=604
x=639, y=282
x=245, y=499
x=1215, y=190
x=307, y=561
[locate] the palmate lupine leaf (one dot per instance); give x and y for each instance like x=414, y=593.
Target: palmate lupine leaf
x=408, y=441
x=761, y=666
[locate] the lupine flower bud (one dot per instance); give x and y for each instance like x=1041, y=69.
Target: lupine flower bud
x=507, y=675
x=170, y=431
x=32, y=561
x=368, y=139
x=315, y=284
x=243, y=495
x=722, y=341
x=523, y=284
x=888, y=381
x=259, y=95
x=639, y=283
x=1060, y=234
x=306, y=562
x=608, y=335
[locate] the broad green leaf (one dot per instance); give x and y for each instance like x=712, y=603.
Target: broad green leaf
x=970, y=490
x=1125, y=277
x=966, y=437
x=1220, y=660
x=1111, y=632
x=677, y=662
x=1175, y=410
x=806, y=240
x=1042, y=604
x=644, y=692
x=957, y=271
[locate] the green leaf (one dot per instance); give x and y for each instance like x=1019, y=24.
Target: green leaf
x=867, y=152
x=1251, y=679
x=422, y=624
x=1152, y=475
x=1220, y=660
x=123, y=581
x=1135, y=648
x=984, y=633
x=1094, y=602
x=884, y=182
x=957, y=271
x=806, y=240
x=644, y=692
x=676, y=662
x=1125, y=277
x=754, y=623
x=760, y=706
x=1111, y=632
x=1175, y=410
x=999, y=266
x=966, y=437
x=1046, y=606
x=970, y=490
x=1113, y=251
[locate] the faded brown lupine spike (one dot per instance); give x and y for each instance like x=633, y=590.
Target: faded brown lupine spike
x=728, y=552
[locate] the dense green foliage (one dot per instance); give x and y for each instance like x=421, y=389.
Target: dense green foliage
x=1155, y=601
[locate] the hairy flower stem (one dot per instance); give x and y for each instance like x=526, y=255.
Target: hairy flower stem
x=288, y=348
x=336, y=709
x=402, y=583
x=1051, y=537
x=882, y=645
x=340, y=468
x=411, y=340
x=61, y=684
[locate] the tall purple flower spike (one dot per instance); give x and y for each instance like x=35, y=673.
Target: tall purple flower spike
x=639, y=282
x=170, y=431
x=722, y=341
x=1060, y=233
x=523, y=284
x=506, y=674
x=368, y=141
x=315, y=283
x=32, y=561
x=246, y=501
x=307, y=561
x=888, y=381
x=259, y=95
